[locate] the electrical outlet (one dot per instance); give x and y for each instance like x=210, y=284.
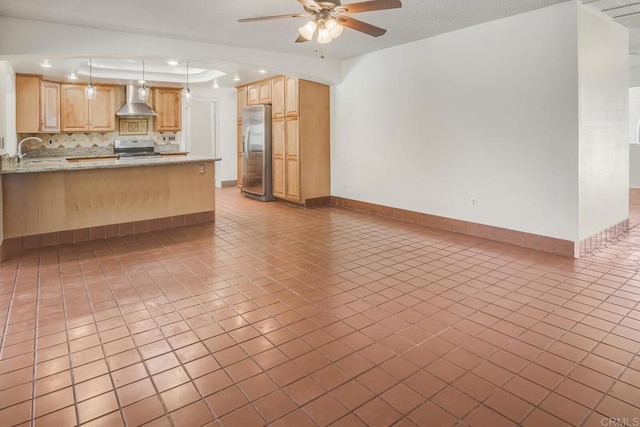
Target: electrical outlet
x=201, y=168
x=474, y=202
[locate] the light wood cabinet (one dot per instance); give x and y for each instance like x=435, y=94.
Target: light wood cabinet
x=79, y=114
x=264, y=90
x=50, y=107
x=253, y=95
x=300, y=157
x=242, y=101
x=102, y=110
x=292, y=187
x=74, y=109
x=37, y=105
x=167, y=102
x=239, y=150
x=277, y=97
x=278, y=151
x=291, y=96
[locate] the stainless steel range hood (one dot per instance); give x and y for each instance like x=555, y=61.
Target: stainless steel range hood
x=133, y=107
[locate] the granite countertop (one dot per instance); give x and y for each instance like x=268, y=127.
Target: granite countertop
x=53, y=164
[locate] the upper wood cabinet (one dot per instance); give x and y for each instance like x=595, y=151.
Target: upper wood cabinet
x=277, y=97
x=264, y=90
x=50, y=107
x=167, y=102
x=291, y=99
x=81, y=115
x=102, y=110
x=253, y=94
x=74, y=108
x=37, y=105
x=258, y=93
x=242, y=101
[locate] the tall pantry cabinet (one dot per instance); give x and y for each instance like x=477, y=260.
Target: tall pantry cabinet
x=300, y=140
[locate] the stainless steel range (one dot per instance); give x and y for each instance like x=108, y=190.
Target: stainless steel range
x=135, y=148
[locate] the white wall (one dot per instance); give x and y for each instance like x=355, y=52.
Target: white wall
x=603, y=47
x=634, y=165
x=634, y=114
x=488, y=112
x=634, y=146
x=7, y=108
x=634, y=76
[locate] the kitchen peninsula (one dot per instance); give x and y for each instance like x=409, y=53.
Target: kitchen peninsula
x=48, y=202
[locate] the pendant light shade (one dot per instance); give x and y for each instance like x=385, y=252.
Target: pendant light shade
x=90, y=89
x=334, y=28
x=308, y=29
x=324, y=36
x=143, y=91
x=187, y=91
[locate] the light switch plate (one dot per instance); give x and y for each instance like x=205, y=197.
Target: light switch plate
x=201, y=168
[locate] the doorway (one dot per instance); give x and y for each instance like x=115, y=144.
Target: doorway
x=201, y=129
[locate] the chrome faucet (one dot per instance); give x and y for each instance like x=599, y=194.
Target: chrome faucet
x=31, y=138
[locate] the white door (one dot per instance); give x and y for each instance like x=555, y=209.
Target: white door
x=200, y=129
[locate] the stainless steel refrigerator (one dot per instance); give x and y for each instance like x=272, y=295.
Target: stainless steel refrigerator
x=256, y=152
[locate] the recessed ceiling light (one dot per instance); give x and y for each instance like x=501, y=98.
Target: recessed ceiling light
x=72, y=76
x=262, y=71
x=236, y=78
x=46, y=64
x=172, y=62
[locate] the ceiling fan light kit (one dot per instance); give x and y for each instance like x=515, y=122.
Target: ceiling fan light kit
x=329, y=17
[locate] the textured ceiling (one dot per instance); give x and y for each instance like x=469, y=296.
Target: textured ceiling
x=616, y=8
x=216, y=20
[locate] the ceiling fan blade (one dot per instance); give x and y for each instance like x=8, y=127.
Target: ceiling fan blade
x=301, y=39
x=311, y=4
x=266, y=18
x=370, y=6
x=363, y=27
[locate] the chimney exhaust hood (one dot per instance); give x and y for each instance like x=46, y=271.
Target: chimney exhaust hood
x=133, y=107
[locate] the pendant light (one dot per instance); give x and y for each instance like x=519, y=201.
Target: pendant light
x=90, y=89
x=143, y=91
x=215, y=84
x=187, y=92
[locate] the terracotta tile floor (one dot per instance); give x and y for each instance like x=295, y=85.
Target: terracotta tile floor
x=624, y=251
x=289, y=317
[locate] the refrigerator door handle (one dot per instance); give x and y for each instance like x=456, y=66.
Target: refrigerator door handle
x=245, y=141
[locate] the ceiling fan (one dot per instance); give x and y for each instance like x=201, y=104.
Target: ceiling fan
x=330, y=16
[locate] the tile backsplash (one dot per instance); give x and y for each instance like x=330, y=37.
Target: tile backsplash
x=89, y=144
